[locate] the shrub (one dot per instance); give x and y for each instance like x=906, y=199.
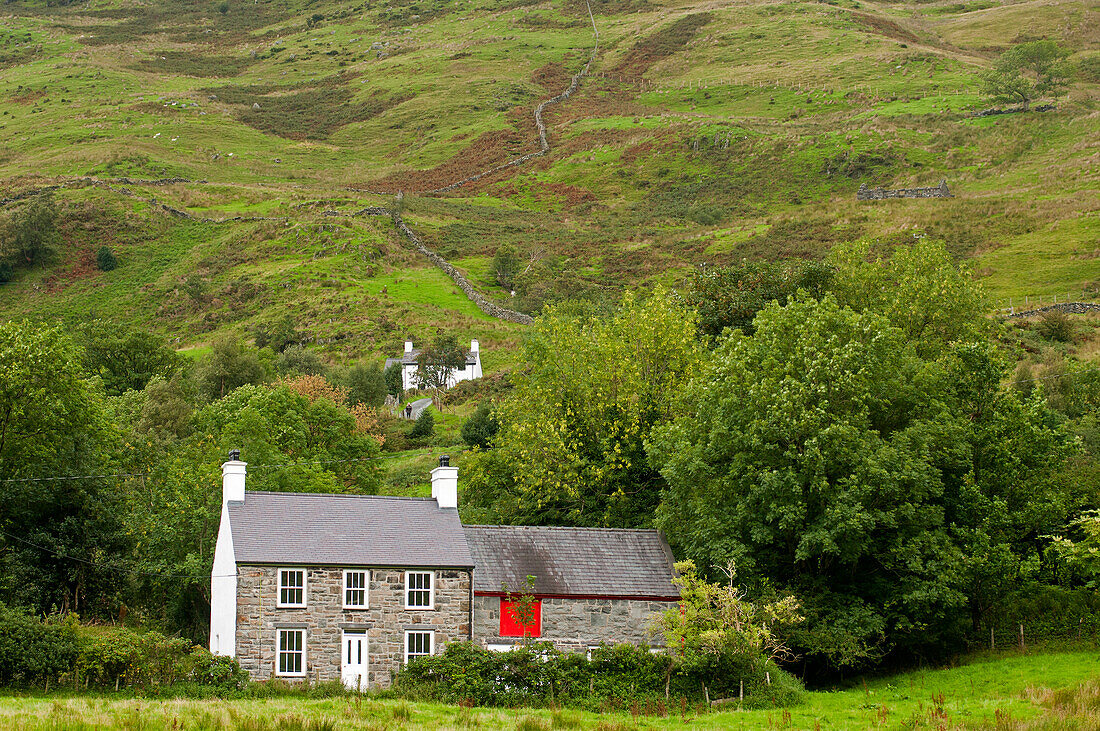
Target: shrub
x=6, y=272
x=33, y=651
x=394, y=384
x=105, y=259
x=1055, y=325
x=424, y=426
x=539, y=675
x=297, y=359
x=480, y=428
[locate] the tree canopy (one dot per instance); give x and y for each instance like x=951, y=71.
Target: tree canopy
x=569, y=449
x=1026, y=72
x=826, y=456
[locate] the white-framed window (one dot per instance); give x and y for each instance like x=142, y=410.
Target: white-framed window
x=292, y=588
x=355, y=588
x=419, y=590
x=418, y=643
x=290, y=652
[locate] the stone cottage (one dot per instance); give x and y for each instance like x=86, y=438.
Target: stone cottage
x=324, y=586
x=591, y=585
x=410, y=367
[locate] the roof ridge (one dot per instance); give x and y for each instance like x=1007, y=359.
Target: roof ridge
x=565, y=527
x=339, y=494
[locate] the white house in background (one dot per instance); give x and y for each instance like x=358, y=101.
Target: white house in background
x=410, y=366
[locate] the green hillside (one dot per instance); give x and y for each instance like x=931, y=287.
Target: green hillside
x=704, y=133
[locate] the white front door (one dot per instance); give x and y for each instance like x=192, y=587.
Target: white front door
x=353, y=669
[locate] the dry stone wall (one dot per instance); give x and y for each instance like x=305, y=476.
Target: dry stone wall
x=483, y=303
x=324, y=619
x=1070, y=308
x=577, y=624
x=873, y=194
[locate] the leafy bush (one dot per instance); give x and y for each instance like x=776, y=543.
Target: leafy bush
x=480, y=428
x=424, y=426
x=538, y=674
x=1055, y=325
x=105, y=259
x=33, y=651
x=394, y=384
x=6, y=272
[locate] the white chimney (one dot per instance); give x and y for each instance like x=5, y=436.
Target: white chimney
x=445, y=483
x=474, y=346
x=233, y=473
x=408, y=346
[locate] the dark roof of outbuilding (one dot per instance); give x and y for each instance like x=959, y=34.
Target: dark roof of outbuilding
x=605, y=562
x=346, y=530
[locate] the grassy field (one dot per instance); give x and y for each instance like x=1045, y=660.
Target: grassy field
x=706, y=133
x=1005, y=692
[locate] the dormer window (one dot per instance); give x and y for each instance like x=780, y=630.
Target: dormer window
x=292, y=588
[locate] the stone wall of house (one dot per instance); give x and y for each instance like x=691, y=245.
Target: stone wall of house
x=577, y=624
x=873, y=194
x=324, y=618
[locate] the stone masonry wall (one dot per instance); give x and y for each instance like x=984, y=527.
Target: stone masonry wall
x=576, y=624
x=385, y=620
x=873, y=194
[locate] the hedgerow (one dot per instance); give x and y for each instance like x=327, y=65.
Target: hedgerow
x=611, y=677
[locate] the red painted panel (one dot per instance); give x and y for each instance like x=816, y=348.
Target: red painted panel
x=510, y=626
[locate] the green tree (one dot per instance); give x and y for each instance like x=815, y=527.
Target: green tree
x=298, y=359
x=825, y=456
x=436, y=364
x=30, y=236
x=1026, y=72
x=479, y=429
x=730, y=297
x=278, y=335
x=506, y=266
x=227, y=366
x=61, y=542
x=570, y=449
x=366, y=384
x=126, y=359
x=717, y=621
x=394, y=384
x=918, y=288
x=424, y=426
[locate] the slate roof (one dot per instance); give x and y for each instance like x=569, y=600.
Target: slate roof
x=346, y=530
x=603, y=562
x=410, y=358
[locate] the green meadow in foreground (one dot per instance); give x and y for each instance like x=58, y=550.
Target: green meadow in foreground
x=1015, y=691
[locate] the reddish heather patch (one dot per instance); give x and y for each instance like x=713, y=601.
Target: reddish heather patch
x=573, y=195
x=488, y=150
x=888, y=28
x=82, y=267
x=28, y=97
x=552, y=77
